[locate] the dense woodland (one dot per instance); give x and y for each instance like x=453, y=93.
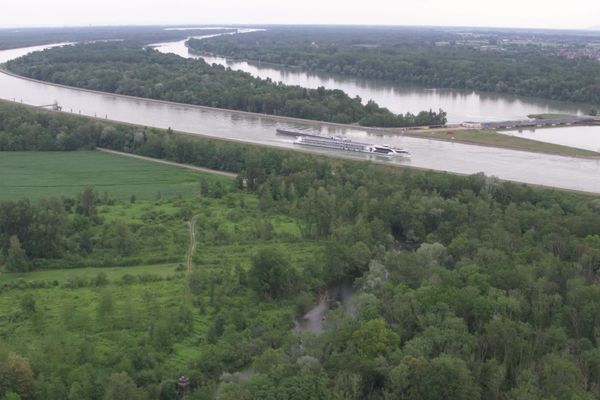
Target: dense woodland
x=468, y=288
x=429, y=57
x=126, y=68
x=25, y=37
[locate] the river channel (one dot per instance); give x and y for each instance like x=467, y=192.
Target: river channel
x=541, y=169
x=460, y=105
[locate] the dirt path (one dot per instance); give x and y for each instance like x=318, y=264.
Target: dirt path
x=192, y=246
x=190, y=258
x=172, y=163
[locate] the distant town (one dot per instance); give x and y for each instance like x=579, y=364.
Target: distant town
x=568, y=46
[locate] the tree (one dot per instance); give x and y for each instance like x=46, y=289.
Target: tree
x=101, y=279
x=272, y=363
x=306, y=385
x=271, y=275
x=430, y=255
x=28, y=304
x=16, y=260
x=204, y=186
x=105, y=304
x=318, y=210
x=560, y=377
x=121, y=387
x=346, y=386
x=16, y=376
x=76, y=392
x=48, y=229
x=196, y=281
x=374, y=338
x=444, y=377
x=123, y=239
x=87, y=202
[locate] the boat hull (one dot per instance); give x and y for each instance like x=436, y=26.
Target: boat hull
x=351, y=149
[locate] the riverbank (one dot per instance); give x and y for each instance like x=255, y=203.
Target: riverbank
x=279, y=118
x=498, y=140
x=461, y=135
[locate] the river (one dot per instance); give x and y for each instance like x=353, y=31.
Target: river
x=582, y=137
x=541, y=169
x=460, y=105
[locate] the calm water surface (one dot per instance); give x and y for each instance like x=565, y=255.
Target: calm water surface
x=460, y=105
x=583, y=137
x=562, y=172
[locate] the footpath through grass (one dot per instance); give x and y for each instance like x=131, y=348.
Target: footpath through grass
x=54, y=174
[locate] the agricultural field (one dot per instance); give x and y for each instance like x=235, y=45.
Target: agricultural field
x=55, y=174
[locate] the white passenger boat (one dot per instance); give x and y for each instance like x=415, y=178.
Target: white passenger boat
x=340, y=143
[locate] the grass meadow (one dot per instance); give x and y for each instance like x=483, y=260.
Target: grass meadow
x=55, y=174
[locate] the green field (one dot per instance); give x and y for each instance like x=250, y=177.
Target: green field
x=54, y=174
x=112, y=273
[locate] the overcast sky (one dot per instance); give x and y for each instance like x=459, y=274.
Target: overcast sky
x=573, y=14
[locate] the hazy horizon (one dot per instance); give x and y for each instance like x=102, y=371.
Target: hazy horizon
x=191, y=26
x=534, y=14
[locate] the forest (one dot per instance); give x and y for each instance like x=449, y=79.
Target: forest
x=25, y=37
x=127, y=68
x=440, y=58
x=467, y=287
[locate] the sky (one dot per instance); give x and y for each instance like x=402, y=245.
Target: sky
x=552, y=14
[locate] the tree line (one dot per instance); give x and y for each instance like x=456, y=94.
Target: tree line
x=126, y=68
x=69, y=232
x=412, y=56
x=25, y=37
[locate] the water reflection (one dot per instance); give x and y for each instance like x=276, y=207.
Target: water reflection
x=582, y=137
x=461, y=105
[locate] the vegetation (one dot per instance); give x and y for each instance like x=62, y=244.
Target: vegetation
x=429, y=57
x=467, y=287
x=132, y=322
x=53, y=232
x=61, y=173
x=25, y=37
x=126, y=68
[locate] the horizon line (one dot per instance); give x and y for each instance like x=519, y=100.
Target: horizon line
x=162, y=24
